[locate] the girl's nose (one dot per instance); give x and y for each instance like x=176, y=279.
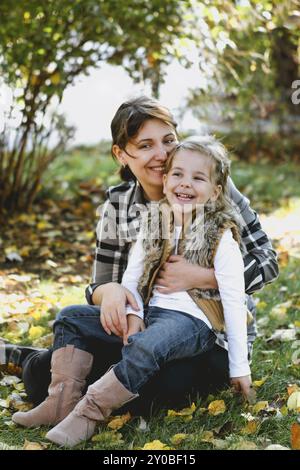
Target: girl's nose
x=185, y=184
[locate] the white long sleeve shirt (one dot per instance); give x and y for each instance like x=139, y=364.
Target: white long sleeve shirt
x=229, y=272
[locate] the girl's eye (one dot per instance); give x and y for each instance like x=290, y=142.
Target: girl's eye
x=198, y=178
x=176, y=173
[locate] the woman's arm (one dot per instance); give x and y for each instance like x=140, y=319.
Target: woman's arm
x=111, y=255
x=110, y=261
x=260, y=260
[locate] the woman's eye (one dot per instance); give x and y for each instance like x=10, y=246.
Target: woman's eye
x=168, y=142
x=145, y=146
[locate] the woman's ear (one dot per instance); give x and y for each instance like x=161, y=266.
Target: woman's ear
x=216, y=193
x=119, y=154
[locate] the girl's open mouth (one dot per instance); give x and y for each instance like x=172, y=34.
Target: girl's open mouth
x=184, y=197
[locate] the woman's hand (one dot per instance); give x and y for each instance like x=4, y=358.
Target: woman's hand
x=113, y=313
x=243, y=385
x=177, y=274
x=134, y=324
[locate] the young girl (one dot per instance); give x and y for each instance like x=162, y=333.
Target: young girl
x=185, y=323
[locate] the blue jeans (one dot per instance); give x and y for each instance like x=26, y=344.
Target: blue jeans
x=169, y=335
x=80, y=325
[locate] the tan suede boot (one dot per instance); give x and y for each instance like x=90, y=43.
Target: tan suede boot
x=101, y=399
x=70, y=367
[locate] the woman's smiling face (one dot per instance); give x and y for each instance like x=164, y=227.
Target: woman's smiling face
x=146, y=154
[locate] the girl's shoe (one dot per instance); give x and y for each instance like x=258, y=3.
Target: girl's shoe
x=105, y=395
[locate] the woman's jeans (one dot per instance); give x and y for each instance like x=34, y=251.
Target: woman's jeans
x=172, y=385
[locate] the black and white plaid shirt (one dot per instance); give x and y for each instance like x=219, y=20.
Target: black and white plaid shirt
x=126, y=202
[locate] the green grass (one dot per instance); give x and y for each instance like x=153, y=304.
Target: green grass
x=277, y=367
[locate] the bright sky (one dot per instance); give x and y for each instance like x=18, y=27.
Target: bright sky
x=91, y=103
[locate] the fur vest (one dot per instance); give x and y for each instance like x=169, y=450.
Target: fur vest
x=198, y=244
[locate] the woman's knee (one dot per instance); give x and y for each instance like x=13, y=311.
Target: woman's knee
x=67, y=312
x=75, y=311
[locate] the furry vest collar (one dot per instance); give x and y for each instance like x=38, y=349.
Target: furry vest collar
x=198, y=244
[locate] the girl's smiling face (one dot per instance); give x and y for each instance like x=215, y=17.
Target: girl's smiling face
x=189, y=181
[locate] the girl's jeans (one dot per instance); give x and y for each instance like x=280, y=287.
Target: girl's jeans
x=169, y=335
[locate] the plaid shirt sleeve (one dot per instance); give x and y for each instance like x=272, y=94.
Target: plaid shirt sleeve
x=260, y=259
x=111, y=254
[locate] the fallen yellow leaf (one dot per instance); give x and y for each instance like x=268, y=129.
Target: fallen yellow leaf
x=279, y=311
x=220, y=444
x=119, y=421
x=250, y=428
x=35, y=332
x=293, y=402
x=216, y=407
x=244, y=445
x=259, y=406
x=259, y=383
x=293, y=388
x=33, y=445
x=184, y=412
x=156, y=445
x=284, y=410
x=207, y=436
x=178, y=438
x=261, y=305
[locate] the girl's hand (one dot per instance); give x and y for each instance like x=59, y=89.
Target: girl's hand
x=180, y=275
x=243, y=385
x=135, y=324
x=113, y=314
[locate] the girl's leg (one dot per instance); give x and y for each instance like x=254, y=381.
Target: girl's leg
x=169, y=335
x=200, y=375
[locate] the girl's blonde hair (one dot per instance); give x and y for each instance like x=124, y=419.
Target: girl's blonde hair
x=212, y=148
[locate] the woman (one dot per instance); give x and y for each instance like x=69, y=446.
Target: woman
x=143, y=134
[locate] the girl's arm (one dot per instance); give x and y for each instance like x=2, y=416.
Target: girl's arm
x=229, y=268
x=133, y=274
